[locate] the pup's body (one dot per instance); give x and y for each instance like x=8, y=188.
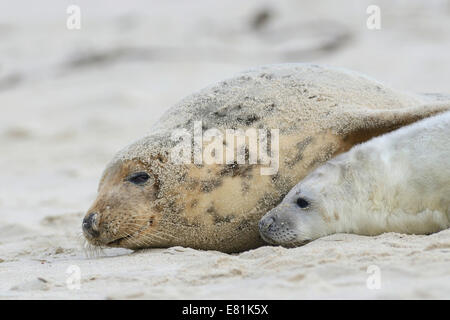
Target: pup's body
x=398, y=182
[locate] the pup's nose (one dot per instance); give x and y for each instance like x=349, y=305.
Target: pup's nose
x=264, y=224
x=89, y=225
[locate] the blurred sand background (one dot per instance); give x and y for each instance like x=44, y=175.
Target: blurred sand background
x=71, y=98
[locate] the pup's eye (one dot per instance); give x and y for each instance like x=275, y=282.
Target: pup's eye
x=302, y=203
x=138, y=178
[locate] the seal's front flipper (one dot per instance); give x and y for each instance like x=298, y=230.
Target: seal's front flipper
x=363, y=124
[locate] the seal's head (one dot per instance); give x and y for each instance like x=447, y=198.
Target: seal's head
x=122, y=215
x=153, y=202
x=309, y=211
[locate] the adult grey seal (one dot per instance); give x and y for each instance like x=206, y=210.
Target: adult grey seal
x=147, y=200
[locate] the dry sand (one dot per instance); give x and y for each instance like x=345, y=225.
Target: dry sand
x=71, y=99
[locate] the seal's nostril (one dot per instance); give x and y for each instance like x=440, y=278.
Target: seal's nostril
x=89, y=225
x=265, y=224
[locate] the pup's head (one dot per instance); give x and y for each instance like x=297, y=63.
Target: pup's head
x=308, y=211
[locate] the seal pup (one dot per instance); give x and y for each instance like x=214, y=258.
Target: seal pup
x=147, y=200
x=398, y=182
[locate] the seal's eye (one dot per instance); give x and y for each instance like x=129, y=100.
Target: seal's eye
x=138, y=178
x=302, y=203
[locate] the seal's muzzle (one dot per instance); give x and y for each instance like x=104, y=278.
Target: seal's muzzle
x=89, y=225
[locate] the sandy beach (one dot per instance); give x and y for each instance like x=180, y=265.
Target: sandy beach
x=71, y=98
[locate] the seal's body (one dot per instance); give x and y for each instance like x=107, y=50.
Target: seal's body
x=398, y=182
x=147, y=200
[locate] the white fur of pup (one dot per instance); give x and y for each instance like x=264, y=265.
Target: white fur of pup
x=397, y=182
